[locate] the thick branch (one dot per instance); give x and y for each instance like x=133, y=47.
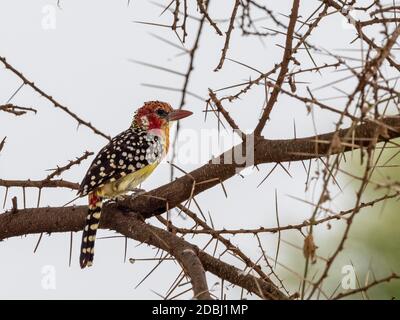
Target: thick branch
x=195, y=270
x=170, y=195
x=65, y=219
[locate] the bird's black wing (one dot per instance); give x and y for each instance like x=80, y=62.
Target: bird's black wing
x=129, y=151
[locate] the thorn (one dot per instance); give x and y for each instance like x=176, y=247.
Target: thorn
x=14, y=205
x=2, y=143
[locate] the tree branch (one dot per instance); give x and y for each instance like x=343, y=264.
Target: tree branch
x=155, y=202
x=51, y=99
x=193, y=267
x=287, y=55
x=66, y=219
x=16, y=110
x=39, y=184
x=209, y=175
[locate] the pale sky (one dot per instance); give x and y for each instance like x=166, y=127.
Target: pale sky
x=83, y=63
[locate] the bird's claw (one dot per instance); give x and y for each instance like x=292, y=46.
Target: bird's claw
x=137, y=192
x=123, y=197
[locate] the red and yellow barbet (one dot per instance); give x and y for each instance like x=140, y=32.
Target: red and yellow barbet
x=124, y=163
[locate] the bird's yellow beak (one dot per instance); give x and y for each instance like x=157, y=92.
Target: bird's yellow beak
x=178, y=114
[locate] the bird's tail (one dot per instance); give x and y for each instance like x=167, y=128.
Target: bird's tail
x=89, y=233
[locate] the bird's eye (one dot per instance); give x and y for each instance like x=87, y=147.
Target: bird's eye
x=161, y=113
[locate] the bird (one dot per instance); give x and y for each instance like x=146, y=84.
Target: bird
x=124, y=163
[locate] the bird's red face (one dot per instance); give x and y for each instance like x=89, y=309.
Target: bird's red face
x=157, y=115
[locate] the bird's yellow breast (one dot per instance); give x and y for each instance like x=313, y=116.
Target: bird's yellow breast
x=126, y=183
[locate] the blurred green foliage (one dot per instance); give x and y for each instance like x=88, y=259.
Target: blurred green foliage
x=374, y=240
x=373, y=244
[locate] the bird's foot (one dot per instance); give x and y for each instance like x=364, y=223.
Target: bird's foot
x=124, y=199
x=121, y=197
x=137, y=192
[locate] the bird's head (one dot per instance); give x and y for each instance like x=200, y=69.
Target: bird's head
x=157, y=115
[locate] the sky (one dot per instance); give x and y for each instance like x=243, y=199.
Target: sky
x=81, y=54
